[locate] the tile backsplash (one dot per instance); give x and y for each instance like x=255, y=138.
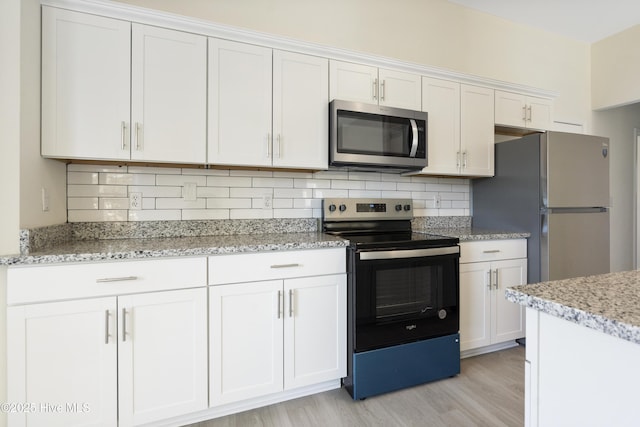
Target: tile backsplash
x=99, y=193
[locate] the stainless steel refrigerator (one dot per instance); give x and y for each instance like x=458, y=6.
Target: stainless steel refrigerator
x=554, y=185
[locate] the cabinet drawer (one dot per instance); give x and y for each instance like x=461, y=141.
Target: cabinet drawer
x=275, y=265
x=28, y=284
x=489, y=250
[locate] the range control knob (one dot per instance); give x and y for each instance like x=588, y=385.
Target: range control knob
x=407, y=207
x=343, y=208
x=332, y=208
x=398, y=208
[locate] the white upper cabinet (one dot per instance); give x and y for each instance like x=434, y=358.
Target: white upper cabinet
x=441, y=101
x=113, y=90
x=85, y=85
x=300, y=110
x=370, y=85
x=267, y=108
x=476, y=131
x=460, y=126
x=239, y=103
x=514, y=109
x=168, y=95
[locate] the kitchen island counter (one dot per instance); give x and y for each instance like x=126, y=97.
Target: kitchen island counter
x=608, y=303
x=583, y=347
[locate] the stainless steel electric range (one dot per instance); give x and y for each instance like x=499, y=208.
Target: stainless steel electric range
x=403, y=295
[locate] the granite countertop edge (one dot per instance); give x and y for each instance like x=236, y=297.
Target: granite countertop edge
x=140, y=248
x=129, y=249
x=618, y=320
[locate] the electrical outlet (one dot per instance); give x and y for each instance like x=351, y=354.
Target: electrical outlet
x=267, y=201
x=189, y=191
x=45, y=200
x=135, y=201
x=436, y=201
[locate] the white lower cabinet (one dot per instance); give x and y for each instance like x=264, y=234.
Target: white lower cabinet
x=487, y=268
x=276, y=335
x=115, y=360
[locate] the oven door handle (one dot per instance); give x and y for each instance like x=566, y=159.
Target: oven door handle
x=408, y=253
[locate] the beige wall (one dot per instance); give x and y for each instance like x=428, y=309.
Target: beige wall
x=427, y=32
x=616, y=70
x=9, y=159
x=35, y=172
x=618, y=124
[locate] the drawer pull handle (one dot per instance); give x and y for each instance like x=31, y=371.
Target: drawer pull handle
x=116, y=279
x=493, y=251
x=285, y=265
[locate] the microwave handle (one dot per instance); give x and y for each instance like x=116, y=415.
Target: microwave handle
x=414, y=142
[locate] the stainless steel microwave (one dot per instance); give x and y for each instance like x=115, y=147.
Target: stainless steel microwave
x=365, y=136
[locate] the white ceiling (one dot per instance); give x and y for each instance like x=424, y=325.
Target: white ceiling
x=585, y=20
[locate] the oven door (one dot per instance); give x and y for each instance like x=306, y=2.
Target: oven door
x=405, y=295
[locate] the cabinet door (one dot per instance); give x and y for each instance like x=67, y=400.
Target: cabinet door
x=86, y=63
x=400, y=90
x=475, y=305
x=508, y=322
x=246, y=340
x=300, y=110
x=353, y=82
x=315, y=330
x=510, y=109
x=63, y=353
x=441, y=100
x=169, y=95
x=239, y=104
x=540, y=115
x=477, y=130
x=162, y=358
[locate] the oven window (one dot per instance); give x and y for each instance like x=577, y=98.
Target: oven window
x=405, y=289
x=407, y=292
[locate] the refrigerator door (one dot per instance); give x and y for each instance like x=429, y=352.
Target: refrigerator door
x=574, y=243
x=577, y=170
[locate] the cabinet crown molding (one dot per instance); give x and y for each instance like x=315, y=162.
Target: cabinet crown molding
x=141, y=15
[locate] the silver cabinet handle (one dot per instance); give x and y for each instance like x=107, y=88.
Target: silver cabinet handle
x=285, y=265
x=375, y=89
x=382, y=91
x=464, y=159
x=492, y=251
x=279, y=303
x=116, y=279
x=124, y=324
x=278, y=146
x=123, y=134
x=529, y=110
x=414, y=141
x=268, y=145
x=495, y=281
x=106, y=327
x=290, y=302
x=139, y=136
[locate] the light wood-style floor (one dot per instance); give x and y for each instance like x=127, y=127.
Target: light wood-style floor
x=488, y=392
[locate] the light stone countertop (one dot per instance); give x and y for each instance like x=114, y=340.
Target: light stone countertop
x=171, y=239
x=116, y=249
x=609, y=303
